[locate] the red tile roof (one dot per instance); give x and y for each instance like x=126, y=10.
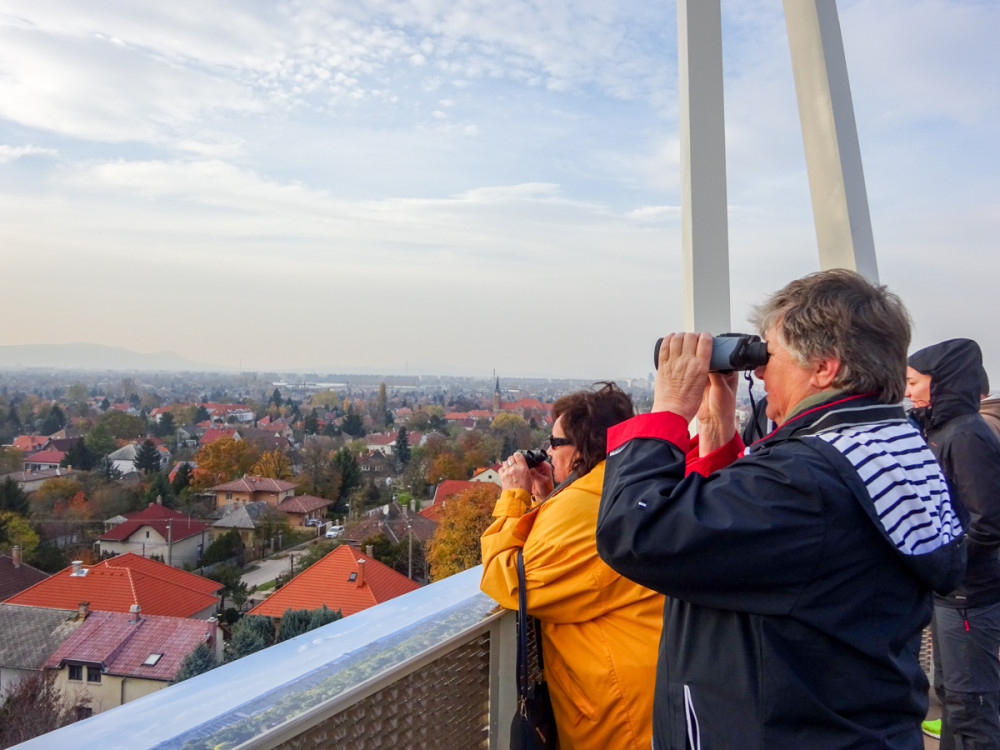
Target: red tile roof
x=29, y=443
x=451, y=487
x=120, y=643
x=45, y=457
x=214, y=433
x=255, y=484
x=433, y=512
x=329, y=582
x=116, y=584
x=156, y=516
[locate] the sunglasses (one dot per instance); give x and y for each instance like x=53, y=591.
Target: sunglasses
x=555, y=442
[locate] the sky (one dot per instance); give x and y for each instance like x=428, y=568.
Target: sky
x=458, y=186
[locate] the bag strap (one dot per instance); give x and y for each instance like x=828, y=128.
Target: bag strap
x=523, y=671
x=522, y=632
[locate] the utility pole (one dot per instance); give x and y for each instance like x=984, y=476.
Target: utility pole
x=170, y=541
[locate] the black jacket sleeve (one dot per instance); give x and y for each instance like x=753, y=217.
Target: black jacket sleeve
x=747, y=537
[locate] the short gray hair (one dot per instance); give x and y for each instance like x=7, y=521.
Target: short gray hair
x=838, y=313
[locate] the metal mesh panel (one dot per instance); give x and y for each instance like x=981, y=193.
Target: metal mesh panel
x=442, y=706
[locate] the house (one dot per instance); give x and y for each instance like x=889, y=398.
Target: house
x=396, y=522
x=157, y=530
x=29, y=481
x=44, y=460
x=30, y=636
x=112, y=658
x=450, y=488
x=249, y=489
x=211, y=434
x=346, y=579
x=16, y=575
x=123, y=459
x=488, y=474
x=303, y=508
x=114, y=585
x=383, y=443
x=229, y=412
x=250, y=520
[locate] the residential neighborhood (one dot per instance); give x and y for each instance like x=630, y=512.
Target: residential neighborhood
x=137, y=513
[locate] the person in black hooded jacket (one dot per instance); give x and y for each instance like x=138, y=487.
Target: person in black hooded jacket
x=944, y=382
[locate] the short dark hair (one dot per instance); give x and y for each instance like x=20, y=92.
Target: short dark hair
x=586, y=417
x=837, y=313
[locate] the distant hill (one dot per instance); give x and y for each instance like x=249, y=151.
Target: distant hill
x=93, y=357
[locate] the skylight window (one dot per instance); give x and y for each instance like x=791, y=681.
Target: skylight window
x=352, y=576
x=151, y=660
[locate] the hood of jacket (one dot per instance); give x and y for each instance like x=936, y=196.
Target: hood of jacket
x=956, y=370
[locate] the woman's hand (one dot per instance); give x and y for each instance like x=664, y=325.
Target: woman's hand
x=682, y=373
x=542, y=481
x=717, y=415
x=515, y=474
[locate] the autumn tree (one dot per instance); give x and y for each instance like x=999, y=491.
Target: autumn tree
x=513, y=430
x=15, y=531
x=319, y=475
x=122, y=426
x=326, y=399
x=273, y=464
x=446, y=466
x=11, y=460
x=54, y=492
x=33, y=706
x=455, y=545
x=223, y=460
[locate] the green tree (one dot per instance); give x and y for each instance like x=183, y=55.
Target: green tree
x=160, y=490
x=100, y=440
x=147, y=458
x=310, y=425
x=350, y=472
x=250, y=634
x=275, y=398
x=352, y=424
x=232, y=582
x=166, y=426
x=293, y=622
x=123, y=426
x=79, y=456
x=199, y=661
x=201, y=414
x=402, y=447
x=227, y=546
x=15, y=531
x=13, y=498
x=182, y=478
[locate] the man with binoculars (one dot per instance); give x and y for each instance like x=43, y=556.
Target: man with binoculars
x=798, y=572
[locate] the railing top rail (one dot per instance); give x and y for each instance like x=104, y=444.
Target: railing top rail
x=228, y=702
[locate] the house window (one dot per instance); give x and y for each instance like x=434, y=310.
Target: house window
x=147, y=535
x=93, y=674
x=84, y=712
x=229, y=496
x=75, y=672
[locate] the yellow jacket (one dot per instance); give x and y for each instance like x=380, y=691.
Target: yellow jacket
x=600, y=631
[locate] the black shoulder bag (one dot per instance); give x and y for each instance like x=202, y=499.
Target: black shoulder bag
x=534, y=726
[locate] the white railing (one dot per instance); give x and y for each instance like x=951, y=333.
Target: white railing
x=432, y=668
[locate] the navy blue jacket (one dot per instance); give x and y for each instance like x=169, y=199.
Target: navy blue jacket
x=798, y=577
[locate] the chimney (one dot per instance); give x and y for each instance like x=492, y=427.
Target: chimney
x=361, y=573
x=78, y=570
x=15, y=556
x=369, y=550
x=84, y=610
x=134, y=613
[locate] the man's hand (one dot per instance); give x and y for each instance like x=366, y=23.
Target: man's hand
x=682, y=373
x=717, y=415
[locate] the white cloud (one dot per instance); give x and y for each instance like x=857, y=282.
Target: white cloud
x=13, y=153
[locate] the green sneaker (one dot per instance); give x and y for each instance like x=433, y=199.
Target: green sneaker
x=932, y=728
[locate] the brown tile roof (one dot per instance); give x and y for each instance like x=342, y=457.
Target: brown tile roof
x=303, y=504
x=15, y=578
x=45, y=457
x=329, y=582
x=117, y=583
x=156, y=516
x=255, y=484
x=451, y=487
x=121, y=642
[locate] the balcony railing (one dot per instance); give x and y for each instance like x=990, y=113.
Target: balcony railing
x=433, y=668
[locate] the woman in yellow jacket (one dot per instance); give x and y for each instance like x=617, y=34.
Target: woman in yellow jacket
x=600, y=631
